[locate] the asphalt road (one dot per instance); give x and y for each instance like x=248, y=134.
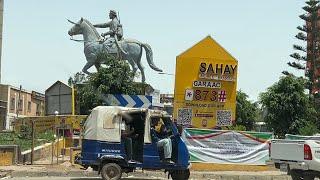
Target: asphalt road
x=76, y=178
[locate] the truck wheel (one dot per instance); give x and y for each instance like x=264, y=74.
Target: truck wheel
x=296, y=175
x=180, y=174
x=308, y=177
x=111, y=171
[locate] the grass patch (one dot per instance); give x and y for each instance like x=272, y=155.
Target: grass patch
x=24, y=140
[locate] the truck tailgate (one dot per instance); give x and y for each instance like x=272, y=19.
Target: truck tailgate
x=287, y=150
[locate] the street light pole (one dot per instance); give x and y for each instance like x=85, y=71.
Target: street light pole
x=166, y=73
x=57, y=135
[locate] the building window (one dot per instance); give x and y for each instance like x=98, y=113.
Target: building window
x=20, y=105
x=29, y=106
x=12, y=103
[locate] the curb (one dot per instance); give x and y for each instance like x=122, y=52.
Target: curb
x=241, y=177
x=53, y=173
x=212, y=167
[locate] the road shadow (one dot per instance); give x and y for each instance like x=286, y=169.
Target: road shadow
x=124, y=178
x=127, y=178
x=86, y=178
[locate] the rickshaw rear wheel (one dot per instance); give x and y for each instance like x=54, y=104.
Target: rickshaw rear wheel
x=180, y=174
x=111, y=171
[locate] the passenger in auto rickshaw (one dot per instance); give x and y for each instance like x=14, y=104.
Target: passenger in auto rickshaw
x=159, y=134
x=127, y=133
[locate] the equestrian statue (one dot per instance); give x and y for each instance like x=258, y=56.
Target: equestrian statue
x=114, y=45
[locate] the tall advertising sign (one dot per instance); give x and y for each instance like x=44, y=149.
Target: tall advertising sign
x=205, y=86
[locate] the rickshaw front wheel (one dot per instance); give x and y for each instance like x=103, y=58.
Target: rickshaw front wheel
x=111, y=171
x=180, y=174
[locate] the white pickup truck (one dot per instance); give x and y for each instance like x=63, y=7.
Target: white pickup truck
x=299, y=158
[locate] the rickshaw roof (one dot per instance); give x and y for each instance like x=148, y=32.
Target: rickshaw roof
x=104, y=109
x=123, y=109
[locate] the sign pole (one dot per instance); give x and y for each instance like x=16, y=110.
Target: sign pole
x=52, y=147
x=57, y=129
x=32, y=143
x=72, y=101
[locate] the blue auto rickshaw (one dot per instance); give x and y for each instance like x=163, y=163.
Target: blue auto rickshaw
x=104, y=150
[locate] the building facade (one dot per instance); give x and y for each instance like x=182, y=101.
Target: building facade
x=17, y=102
x=59, y=99
x=167, y=101
x=156, y=104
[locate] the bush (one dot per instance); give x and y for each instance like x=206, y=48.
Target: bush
x=237, y=128
x=308, y=130
x=24, y=140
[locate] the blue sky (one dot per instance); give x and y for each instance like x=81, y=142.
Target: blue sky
x=259, y=34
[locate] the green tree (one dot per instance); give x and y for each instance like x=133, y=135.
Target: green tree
x=306, y=57
x=288, y=107
x=309, y=129
x=115, y=78
x=78, y=78
x=246, y=111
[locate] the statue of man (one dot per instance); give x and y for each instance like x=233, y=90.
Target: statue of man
x=115, y=28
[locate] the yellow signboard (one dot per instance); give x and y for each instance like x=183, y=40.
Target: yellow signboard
x=44, y=123
x=205, y=86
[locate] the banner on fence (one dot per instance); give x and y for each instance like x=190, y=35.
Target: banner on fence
x=299, y=137
x=227, y=147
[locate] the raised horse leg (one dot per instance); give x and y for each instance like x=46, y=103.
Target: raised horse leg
x=91, y=60
x=86, y=67
x=97, y=65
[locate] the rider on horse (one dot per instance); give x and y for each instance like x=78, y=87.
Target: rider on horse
x=114, y=26
x=115, y=32
x=130, y=51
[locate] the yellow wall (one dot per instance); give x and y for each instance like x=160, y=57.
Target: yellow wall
x=6, y=158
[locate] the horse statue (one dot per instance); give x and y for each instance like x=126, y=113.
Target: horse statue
x=127, y=49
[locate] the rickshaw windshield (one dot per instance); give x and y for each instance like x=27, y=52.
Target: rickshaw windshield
x=169, y=126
